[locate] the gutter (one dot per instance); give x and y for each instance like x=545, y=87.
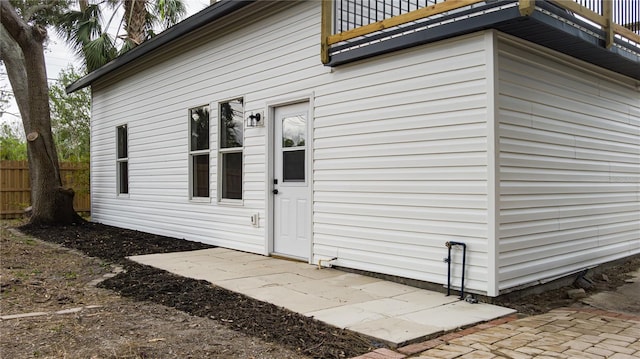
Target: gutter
x=174, y=33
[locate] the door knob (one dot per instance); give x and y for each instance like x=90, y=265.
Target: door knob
x=275, y=191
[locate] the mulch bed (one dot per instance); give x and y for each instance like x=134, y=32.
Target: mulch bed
x=110, y=243
x=197, y=297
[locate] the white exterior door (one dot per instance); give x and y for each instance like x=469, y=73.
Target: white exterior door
x=291, y=216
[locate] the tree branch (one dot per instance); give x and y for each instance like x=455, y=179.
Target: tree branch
x=33, y=9
x=11, y=54
x=16, y=27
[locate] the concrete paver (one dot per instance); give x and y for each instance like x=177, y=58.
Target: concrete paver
x=611, y=335
x=394, y=330
x=391, y=312
x=386, y=289
x=391, y=306
x=433, y=299
x=290, y=299
x=346, y=316
x=455, y=315
x=350, y=280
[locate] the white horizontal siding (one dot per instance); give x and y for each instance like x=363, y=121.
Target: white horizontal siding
x=399, y=144
x=569, y=168
x=236, y=59
x=400, y=163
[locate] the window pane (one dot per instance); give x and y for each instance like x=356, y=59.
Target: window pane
x=200, y=176
x=123, y=177
x=199, y=118
x=122, y=142
x=231, y=123
x=293, y=166
x=294, y=131
x=232, y=175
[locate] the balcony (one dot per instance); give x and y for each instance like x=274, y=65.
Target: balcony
x=602, y=32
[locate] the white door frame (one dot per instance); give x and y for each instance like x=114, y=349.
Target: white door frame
x=270, y=162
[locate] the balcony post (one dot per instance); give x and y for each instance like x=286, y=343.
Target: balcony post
x=607, y=13
x=325, y=29
x=527, y=7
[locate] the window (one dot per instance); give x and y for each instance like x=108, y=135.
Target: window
x=199, y=151
x=294, y=132
x=122, y=160
x=231, y=141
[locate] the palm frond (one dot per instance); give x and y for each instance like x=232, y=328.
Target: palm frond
x=169, y=12
x=99, y=52
x=80, y=27
x=85, y=31
x=127, y=44
x=114, y=13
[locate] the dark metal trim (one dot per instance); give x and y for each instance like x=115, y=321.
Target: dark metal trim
x=398, y=30
x=193, y=23
x=588, y=47
x=599, y=42
x=441, y=32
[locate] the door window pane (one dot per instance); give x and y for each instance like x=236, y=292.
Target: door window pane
x=200, y=176
x=232, y=175
x=293, y=166
x=294, y=131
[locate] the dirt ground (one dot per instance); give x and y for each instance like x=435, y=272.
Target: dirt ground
x=606, y=278
x=143, y=312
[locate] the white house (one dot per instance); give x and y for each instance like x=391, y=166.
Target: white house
x=510, y=126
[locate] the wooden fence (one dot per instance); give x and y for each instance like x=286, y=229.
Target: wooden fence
x=15, y=191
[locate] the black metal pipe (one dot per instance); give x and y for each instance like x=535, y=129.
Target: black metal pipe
x=448, y=269
x=464, y=263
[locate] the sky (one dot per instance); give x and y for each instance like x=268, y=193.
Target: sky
x=58, y=56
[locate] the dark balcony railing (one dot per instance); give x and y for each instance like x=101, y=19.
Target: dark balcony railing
x=625, y=12
x=602, y=32
x=352, y=14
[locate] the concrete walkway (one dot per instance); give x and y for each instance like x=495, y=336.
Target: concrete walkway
x=394, y=313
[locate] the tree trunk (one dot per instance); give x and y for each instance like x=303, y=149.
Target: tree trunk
x=23, y=54
x=135, y=16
